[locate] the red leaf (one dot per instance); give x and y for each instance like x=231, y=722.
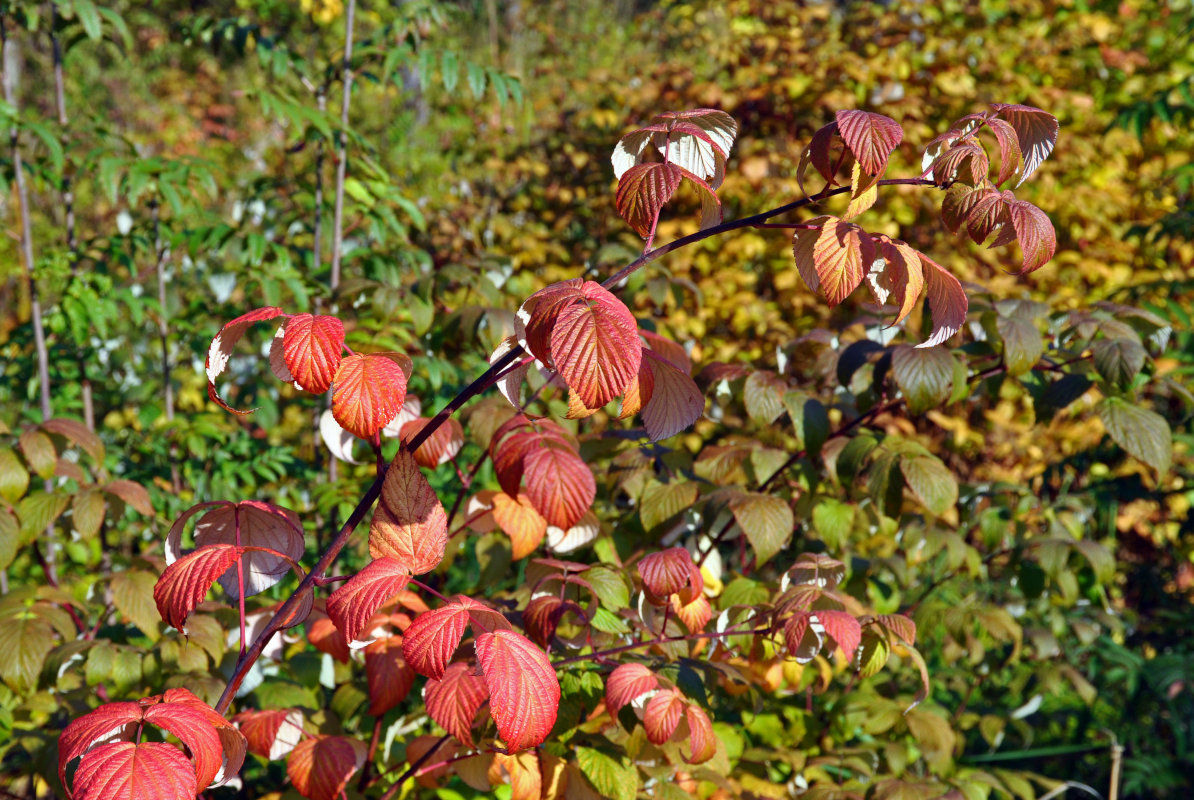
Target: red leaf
x=896, y=275
x=223, y=344
x=959, y=206
x=109, y=722
x=431, y=640
x=965, y=162
x=232, y=741
x=368, y=391
x=259, y=524
x=844, y=628
x=704, y=741
x=1038, y=240
x=1036, y=131
x=524, y=694
x=595, y=345
x=440, y=447
x=542, y=616
x=327, y=638
x=946, y=299
x=643, y=190
x=196, y=731
x=409, y=524
x=537, y=316
x=1009, y=148
x=519, y=520
x=803, y=636
x=321, y=768
x=842, y=255
x=560, y=485
x=821, y=152
x=698, y=140
x=669, y=572
x=312, y=347
x=870, y=137
x=273, y=733
x=390, y=678
x=676, y=401
x=127, y=771
x=510, y=447
x=695, y=615
x=185, y=583
x=627, y=683
x=453, y=701
x=987, y=214
x=352, y=605
x=662, y=715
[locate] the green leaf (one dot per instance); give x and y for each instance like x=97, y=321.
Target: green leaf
x=450, y=70
x=89, y=18
x=616, y=779
x=132, y=594
x=24, y=641
x=609, y=585
x=1022, y=343
x=1058, y=394
x=87, y=512
x=810, y=421
x=1118, y=360
x=762, y=395
x=662, y=501
x=1100, y=559
x=10, y=537
x=14, y=478
x=476, y=80
x=38, y=511
x=924, y=375
x=767, y=522
x=853, y=456
x=1142, y=433
x=833, y=520
x=932, y=483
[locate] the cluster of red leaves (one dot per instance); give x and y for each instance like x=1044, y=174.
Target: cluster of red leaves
x=319, y=766
x=671, y=578
x=307, y=350
x=675, y=147
x=115, y=764
x=666, y=712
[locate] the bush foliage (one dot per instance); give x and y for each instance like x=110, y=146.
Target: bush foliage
x=579, y=462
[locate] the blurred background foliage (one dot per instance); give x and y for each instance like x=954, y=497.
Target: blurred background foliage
x=198, y=152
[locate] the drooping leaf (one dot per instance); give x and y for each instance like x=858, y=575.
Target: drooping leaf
x=864, y=191
x=1022, y=343
x=440, y=447
x=643, y=190
x=947, y=301
x=767, y=521
x=762, y=394
x=662, y=714
x=1009, y=148
x=390, y=678
x=129, y=771
x=803, y=636
x=668, y=572
x=924, y=375
x=313, y=347
x=368, y=391
x=676, y=401
x=560, y=485
x=627, y=683
x=409, y=525
x=352, y=605
x=871, y=138
x=842, y=255
x=321, y=767
x=613, y=778
x=132, y=595
x=662, y=501
x=1119, y=360
x=524, y=694
x=595, y=345
x=844, y=628
x=931, y=481
x=133, y=494
x=1035, y=233
x=453, y=700
x=1142, y=433
x=185, y=583
x=702, y=738
x=1036, y=132
x=271, y=733
x=223, y=344
x=519, y=520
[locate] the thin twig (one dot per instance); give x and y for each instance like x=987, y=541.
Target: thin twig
x=342, y=154
x=413, y=768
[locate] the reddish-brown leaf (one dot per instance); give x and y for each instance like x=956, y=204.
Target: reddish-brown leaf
x=870, y=137
x=676, y=402
x=409, y=524
x=988, y=213
x=966, y=162
x=1009, y=148
x=312, y=347
x=900, y=626
x=440, y=447
x=896, y=276
x=320, y=768
x=185, y=583
x=431, y=640
x=453, y=701
x=662, y=715
x=272, y=733
x=595, y=345
x=368, y=392
x=669, y=572
x=842, y=255
x=627, y=683
x=803, y=636
x=223, y=344
x=960, y=202
x=128, y=771
x=1036, y=132
x=543, y=614
x=353, y=605
x=519, y=520
x=822, y=152
x=327, y=638
x=700, y=729
x=804, y=248
x=643, y=190
x=536, y=317
x=844, y=628
x=947, y=301
x=524, y=694
x=249, y=523
x=560, y=485
x=1034, y=230
x=390, y=677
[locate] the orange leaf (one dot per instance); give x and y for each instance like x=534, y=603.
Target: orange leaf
x=643, y=190
x=353, y=605
x=220, y=350
x=390, y=677
x=313, y=347
x=409, y=524
x=842, y=255
x=519, y=520
x=273, y=733
x=367, y=392
x=320, y=768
